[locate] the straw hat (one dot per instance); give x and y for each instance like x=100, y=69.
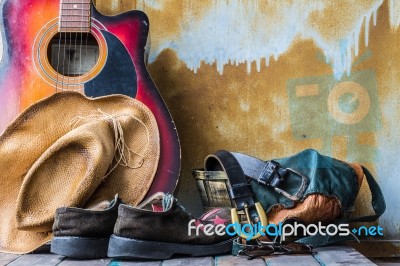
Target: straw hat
x=69, y=150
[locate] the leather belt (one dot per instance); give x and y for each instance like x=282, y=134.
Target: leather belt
x=271, y=174
x=267, y=173
x=239, y=189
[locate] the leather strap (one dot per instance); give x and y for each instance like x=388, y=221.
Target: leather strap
x=267, y=173
x=271, y=173
x=378, y=200
x=239, y=189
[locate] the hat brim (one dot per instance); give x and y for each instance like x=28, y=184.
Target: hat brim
x=66, y=174
x=35, y=130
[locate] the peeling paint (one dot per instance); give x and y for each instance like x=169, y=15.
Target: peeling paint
x=114, y=5
x=155, y=4
x=263, y=119
x=394, y=13
x=225, y=127
x=237, y=32
x=244, y=106
x=279, y=128
x=388, y=165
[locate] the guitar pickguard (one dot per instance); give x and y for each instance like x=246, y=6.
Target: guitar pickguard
x=118, y=75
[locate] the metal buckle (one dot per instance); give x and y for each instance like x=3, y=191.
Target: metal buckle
x=262, y=216
x=299, y=194
x=272, y=174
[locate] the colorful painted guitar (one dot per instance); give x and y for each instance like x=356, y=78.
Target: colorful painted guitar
x=52, y=45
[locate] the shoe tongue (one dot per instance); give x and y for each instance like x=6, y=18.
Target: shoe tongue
x=103, y=205
x=111, y=203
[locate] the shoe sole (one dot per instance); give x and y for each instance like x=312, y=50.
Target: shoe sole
x=80, y=247
x=127, y=248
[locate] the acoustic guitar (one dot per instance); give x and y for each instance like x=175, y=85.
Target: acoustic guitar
x=52, y=45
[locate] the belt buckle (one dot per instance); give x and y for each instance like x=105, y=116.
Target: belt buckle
x=262, y=217
x=297, y=196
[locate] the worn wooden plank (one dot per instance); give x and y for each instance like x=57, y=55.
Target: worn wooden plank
x=298, y=260
x=341, y=255
x=230, y=260
x=201, y=261
x=7, y=258
x=37, y=259
x=374, y=248
x=76, y=262
x=134, y=263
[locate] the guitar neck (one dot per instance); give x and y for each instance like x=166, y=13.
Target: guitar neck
x=74, y=16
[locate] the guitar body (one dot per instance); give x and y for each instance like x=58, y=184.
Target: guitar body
x=31, y=68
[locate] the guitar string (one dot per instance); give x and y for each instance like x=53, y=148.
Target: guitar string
x=69, y=59
x=58, y=59
x=58, y=82
x=68, y=54
x=64, y=58
x=80, y=51
x=87, y=35
x=69, y=50
x=66, y=47
x=75, y=71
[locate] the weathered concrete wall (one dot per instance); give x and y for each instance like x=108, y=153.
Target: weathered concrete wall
x=271, y=78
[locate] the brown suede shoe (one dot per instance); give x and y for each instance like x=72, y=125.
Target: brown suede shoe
x=168, y=229
x=84, y=233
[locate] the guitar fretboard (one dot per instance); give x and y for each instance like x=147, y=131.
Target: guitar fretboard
x=74, y=16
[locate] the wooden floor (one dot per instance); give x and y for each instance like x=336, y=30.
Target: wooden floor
x=335, y=255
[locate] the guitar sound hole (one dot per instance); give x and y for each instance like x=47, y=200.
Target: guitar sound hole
x=73, y=54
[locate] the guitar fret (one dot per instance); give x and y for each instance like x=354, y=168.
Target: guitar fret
x=80, y=10
x=77, y=29
x=75, y=16
x=76, y=1
x=74, y=20
x=74, y=24
x=75, y=6
x=74, y=12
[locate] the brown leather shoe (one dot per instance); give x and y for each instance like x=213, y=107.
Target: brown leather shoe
x=168, y=229
x=84, y=233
